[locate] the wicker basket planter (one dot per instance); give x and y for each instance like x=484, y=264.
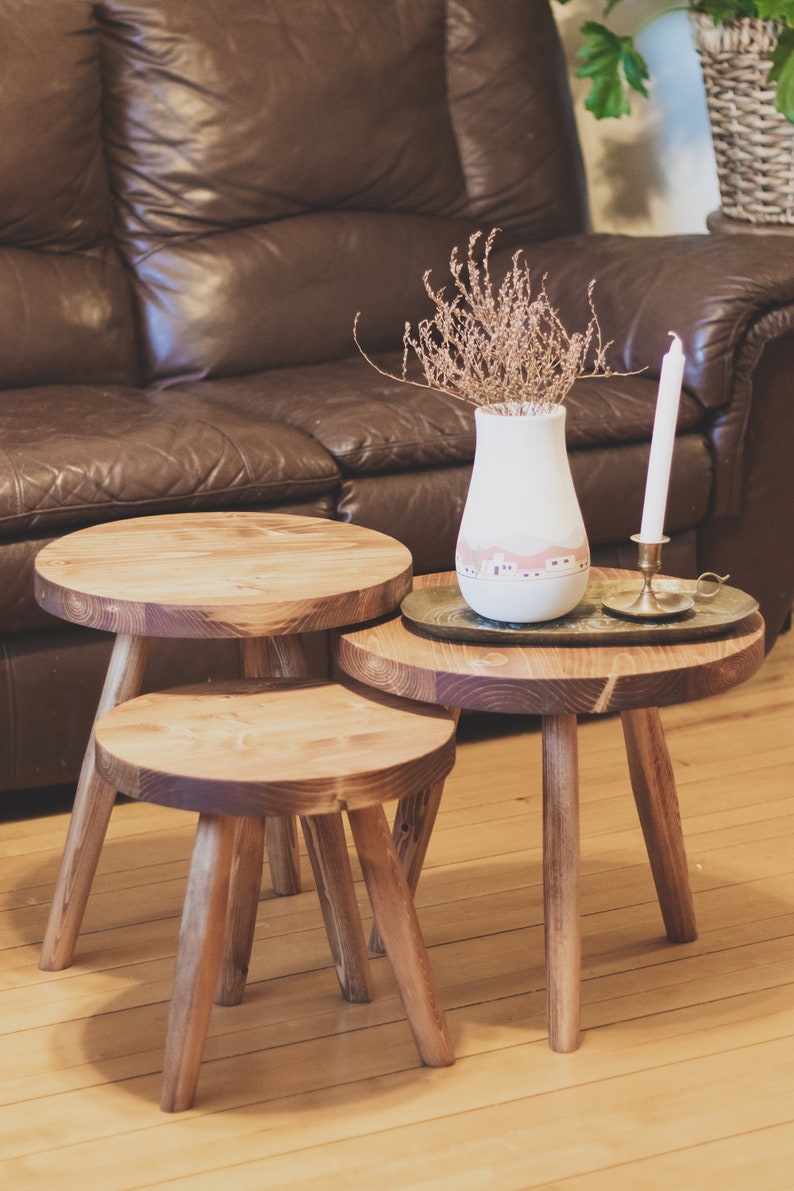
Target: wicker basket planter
x=753, y=143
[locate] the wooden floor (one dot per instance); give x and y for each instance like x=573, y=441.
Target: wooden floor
x=685, y=1076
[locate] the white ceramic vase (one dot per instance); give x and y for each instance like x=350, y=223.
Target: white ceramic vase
x=522, y=555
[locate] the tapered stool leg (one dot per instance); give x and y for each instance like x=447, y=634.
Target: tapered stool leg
x=278, y=657
x=284, y=657
x=412, y=829
x=93, y=805
x=245, y=884
x=394, y=911
x=413, y=826
x=327, y=851
x=561, y=880
x=261, y=657
x=198, y=959
x=653, y=784
x=283, y=855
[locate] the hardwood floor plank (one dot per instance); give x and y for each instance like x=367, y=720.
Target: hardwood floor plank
x=620, y=1114
x=686, y=1073
x=760, y=1159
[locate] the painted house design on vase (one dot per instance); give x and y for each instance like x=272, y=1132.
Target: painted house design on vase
x=522, y=557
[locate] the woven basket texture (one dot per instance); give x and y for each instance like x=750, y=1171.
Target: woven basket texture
x=753, y=142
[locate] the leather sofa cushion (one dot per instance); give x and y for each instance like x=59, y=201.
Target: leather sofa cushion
x=65, y=301
x=610, y=483
x=416, y=106
x=371, y=424
x=336, y=106
x=367, y=423
x=285, y=292
x=53, y=185
x=66, y=318
x=81, y=454
x=366, y=141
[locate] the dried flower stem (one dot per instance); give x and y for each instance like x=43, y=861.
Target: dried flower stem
x=504, y=349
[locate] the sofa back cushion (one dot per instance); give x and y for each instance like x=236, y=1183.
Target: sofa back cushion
x=65, y=308
x=280, y=164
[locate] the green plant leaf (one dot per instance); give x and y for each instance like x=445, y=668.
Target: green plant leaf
x=614, y=65
x=782, y=74
x=635, y=69
x=776, y=10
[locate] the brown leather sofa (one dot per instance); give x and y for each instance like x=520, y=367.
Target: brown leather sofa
x=196, y=196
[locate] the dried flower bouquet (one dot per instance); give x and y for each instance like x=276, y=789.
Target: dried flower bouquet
x=504, y=349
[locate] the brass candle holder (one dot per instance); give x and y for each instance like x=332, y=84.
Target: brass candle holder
x=647, y=603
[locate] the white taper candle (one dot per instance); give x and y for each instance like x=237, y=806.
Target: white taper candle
x=662, y=441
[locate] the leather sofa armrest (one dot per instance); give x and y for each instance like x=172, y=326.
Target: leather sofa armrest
x=727, y=296
x=712, y=290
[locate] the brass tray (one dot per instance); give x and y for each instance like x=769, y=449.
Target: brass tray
x=442, y=612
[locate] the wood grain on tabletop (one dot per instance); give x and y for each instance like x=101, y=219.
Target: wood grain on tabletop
x=221, y=574
x=543, y=679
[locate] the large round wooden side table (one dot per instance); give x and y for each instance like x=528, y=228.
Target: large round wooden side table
x=558, y=683
x=264, y=578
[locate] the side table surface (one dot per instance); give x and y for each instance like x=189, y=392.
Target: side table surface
x=394, y=655
x=221, y=575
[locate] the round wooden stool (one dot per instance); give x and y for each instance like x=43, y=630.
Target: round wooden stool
x=264, y=578
x=279, y=747
x=558, y=683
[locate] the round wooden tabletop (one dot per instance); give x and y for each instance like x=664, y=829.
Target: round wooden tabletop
x=393, y=655
x=225, y=574
x=273, y=747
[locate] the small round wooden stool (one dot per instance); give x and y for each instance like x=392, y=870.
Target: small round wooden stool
x=264, y=578
x=266, y=747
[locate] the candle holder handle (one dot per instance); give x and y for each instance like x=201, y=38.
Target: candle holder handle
x=648, y=603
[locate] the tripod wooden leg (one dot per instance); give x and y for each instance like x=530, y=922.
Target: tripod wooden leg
x=655, y=794
x=327, y=850
x=244, y=888
x=93, y=804
x=413, y=827
x=278, y=657
x=262, y=657
x=285, y=657
x=394, y=911
x=198, y=959
x=283, y=855
x=561, y=880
